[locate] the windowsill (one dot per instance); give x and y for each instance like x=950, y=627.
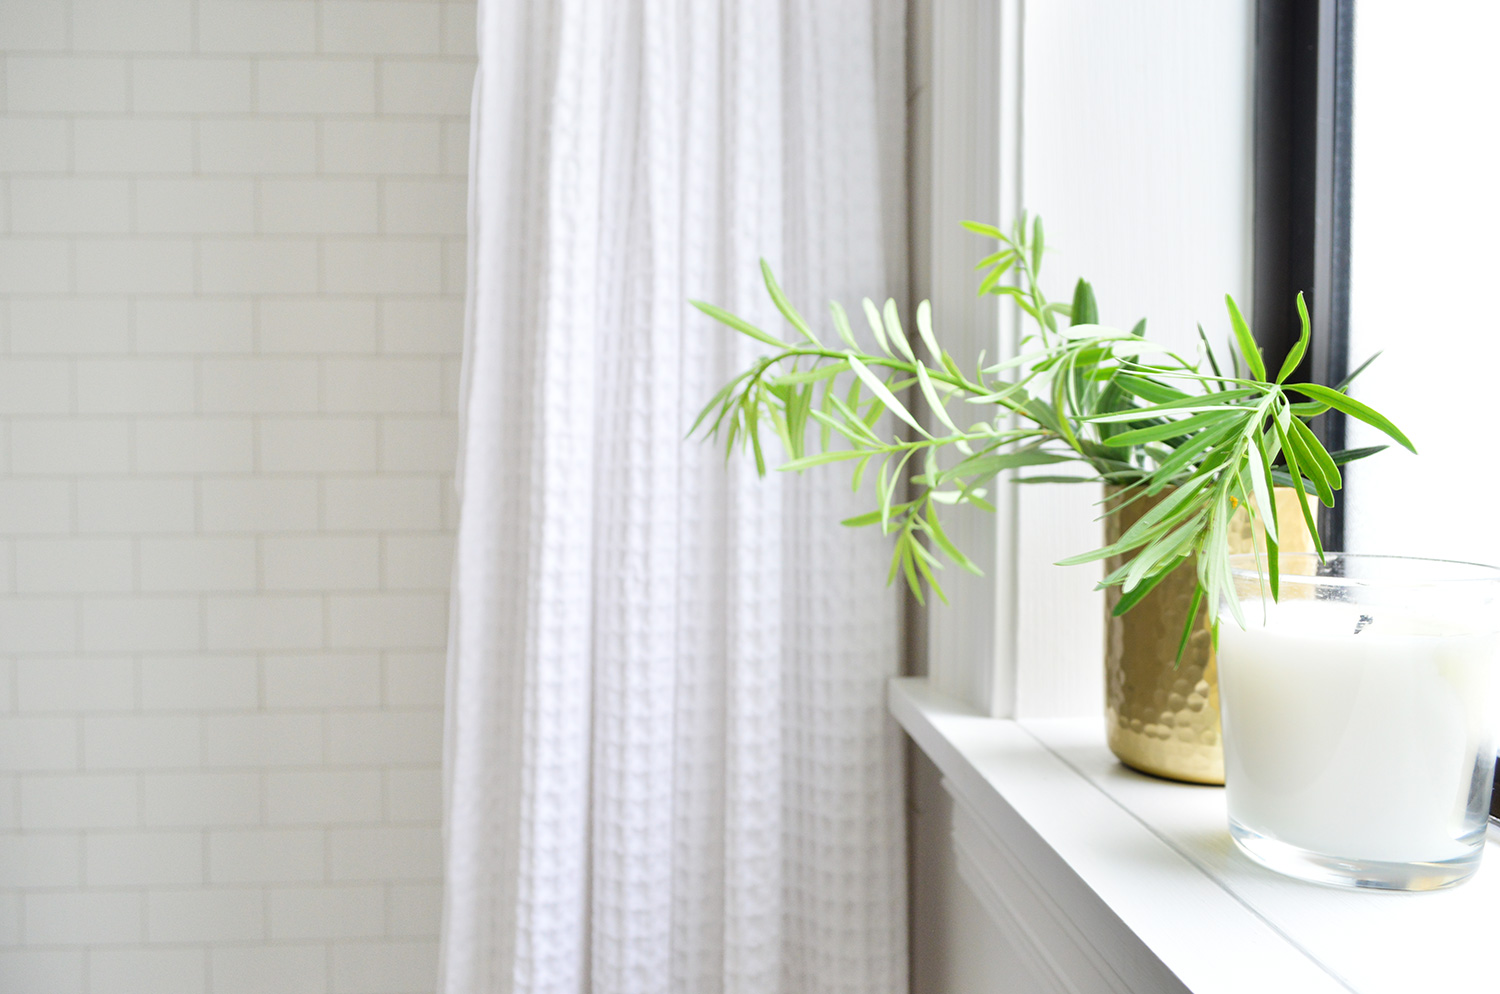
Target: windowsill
x=1145, y=881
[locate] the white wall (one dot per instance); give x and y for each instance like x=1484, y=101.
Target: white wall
x=231, y=265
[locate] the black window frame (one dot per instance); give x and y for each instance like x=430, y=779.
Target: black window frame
x=1304, y=81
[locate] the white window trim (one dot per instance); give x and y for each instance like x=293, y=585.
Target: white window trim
x=1107, y=880
x=1025, y=640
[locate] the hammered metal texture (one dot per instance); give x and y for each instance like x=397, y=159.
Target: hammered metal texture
x=1164, y=719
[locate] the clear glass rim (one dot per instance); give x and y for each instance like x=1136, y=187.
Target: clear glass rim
x=1250, y=566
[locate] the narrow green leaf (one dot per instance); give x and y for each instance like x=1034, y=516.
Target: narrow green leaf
x=987, y=464
x=1307, y=463
x=785, y=306
x=1343, y=456
x=1353, y=408
x=1038, y=244
x=941, y=538
x=1273, y=566
x=877, y=388
x=1295, y=471
x=738, y=324
x=1192, y=621
x=909, y=565
x=994, y=259
x=859, y=474
x=893, y=330
x=1344, y=383
x=813, y=375
x=1260, y=483
x=991, y=278
x=924, y=329
x=1246, y=340
x=934, y=402
x=715, y=403
x=1326, y=465
x=1173, y=544
x=1173, y=429
x=872, y=317
x=1138, y=593
x=1148, y=389
x=1208, y=402
x=1085, y=308
x=1295, y=355
x=820, y=459
x=1208, y=350
x=841, y=324
x=988, y=230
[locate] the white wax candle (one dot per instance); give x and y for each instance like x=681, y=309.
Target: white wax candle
x=1365, y=746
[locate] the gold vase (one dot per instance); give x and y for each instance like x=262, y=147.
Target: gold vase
x=1164, y=719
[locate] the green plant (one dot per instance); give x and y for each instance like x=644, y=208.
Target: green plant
x=1137, y=414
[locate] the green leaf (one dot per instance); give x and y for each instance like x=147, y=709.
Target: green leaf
x=1246, y=341
x=785, y=306
x=872, y=315
x=1208, y=402
x=987, y=464
x=1173, y=429
x=1192, y=620
x=1038, y=244
x=1148, y=389
x=988, y=230
x=1173, y=545
x=1085, y=307
x=1343, y=456
x=822, y=372
x=893, y=330
x=1273, y=566
x=1342, y=402
x=871, y=517
x=1306, y=462
x=820, y=459
x=1295, y=472
x=1260, y=482
x=1295, y=355
x=941, y=538
x=1133, y=597
x=924, y=329
x=993, y=276
x=1208, y=350
x=841, y=323
x=1326, y=465
x=1344, y=383
x=1186, y=452
x=934, y=402
x=738, y=324
x=877, y=388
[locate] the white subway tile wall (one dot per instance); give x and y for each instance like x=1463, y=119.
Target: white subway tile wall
x=231, y=265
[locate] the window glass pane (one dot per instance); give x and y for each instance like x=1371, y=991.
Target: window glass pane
x=1424, y=278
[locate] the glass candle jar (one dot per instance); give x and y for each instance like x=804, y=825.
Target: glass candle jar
x=1358, y=716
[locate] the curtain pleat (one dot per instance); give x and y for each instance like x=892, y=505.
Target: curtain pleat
x=669, y=764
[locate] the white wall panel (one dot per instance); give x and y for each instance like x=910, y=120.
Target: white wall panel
x=228, y=319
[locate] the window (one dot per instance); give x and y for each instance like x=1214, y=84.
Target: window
x=1375, y=193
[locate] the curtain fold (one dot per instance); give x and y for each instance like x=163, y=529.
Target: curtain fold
x=669, y=763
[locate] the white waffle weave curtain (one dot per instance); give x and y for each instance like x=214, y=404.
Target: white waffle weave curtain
x=670, y=768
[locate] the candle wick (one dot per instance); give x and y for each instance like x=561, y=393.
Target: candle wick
x=1364, y=620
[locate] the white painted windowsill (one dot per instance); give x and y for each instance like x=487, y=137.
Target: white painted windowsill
x=1117, y=881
